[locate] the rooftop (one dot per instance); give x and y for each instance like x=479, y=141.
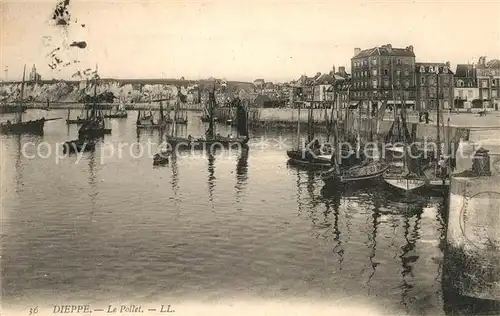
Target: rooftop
x=386, y=50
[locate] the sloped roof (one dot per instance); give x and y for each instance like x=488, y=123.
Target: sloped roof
x=464, y=70
x=429, y=65
x=386, y=51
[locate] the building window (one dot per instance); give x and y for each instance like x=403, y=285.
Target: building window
x=431, y=81
x=493, y=93
x=446, y=104
x=386, y=72
x=374, y=84
x=374, y=62
x=407, y=83
x=460, y=83
x=374, y=72
x=422, y=104
x=422, y=80
x=398, y=72
x=445, y=70
x=407, y=73
x=484, y=83
x=398, y=61
x=422, y=69
x=386, y=83
x=431, y=68
x=365, y=62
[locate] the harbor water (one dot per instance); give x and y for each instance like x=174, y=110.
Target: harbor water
x=106, y=227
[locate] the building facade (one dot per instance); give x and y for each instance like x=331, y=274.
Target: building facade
x=434, y=86
x=465, y=91
x=383, y=73
x=488, y=82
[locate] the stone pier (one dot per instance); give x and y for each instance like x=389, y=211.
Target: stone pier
x=472, y=256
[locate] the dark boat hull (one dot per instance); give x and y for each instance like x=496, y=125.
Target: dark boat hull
x=369, y=172
x=78, y=145
x=118, y=115
x=160, y=159
x=150, y=126
x=13, y=109
x=298, y=157
x=77, y=121
x=29, y=127
x=180, y=143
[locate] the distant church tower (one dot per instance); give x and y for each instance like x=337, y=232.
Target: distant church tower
x=34, y=76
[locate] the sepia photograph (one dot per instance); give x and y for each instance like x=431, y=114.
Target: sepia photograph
x=249, y=157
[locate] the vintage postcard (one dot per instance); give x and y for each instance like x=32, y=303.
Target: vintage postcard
x=238, y=157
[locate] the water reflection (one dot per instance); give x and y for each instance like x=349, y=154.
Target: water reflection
x=373, y=237
x=211, y=176
x=241, y=173
x=409, y=255
x=175, y=174
x=92, y=179
x=18, y=165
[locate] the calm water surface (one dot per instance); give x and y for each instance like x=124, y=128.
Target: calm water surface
x=206, y=228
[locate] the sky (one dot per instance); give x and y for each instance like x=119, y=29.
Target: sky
x=239, y=39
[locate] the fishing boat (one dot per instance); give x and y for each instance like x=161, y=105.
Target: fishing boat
x=26, y=127
x=180, y=116
x=314, y=155
x=120, y=112
x=414, y=169
x=94, y=125
x=79, y=120
x=213, y=140
x=147, y=120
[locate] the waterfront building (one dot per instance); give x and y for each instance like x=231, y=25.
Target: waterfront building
x=488, y=82
x=383, y=73
x=427, y=95
x=466, y=91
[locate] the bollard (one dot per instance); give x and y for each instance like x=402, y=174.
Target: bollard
x=481, y=163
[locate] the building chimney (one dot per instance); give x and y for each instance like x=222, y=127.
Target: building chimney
x=342, y=71
x=357, y=50
x=333, y=69
x=448, y=64
x=410, y=48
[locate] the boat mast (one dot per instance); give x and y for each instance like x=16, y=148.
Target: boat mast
x=310, y=133
x=438, y=114
x=298, y=121
x=330, y=121
x=20, y=114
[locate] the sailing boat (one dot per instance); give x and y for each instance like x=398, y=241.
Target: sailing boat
x=94, y=125
x=79, y=120
x=147, y=120
x=20, y=127
x=351, y=168
x=403, y=175
x=211, y=138
x=19, y=107
x=180, y=116
x=120, y=111
x=311, y=157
